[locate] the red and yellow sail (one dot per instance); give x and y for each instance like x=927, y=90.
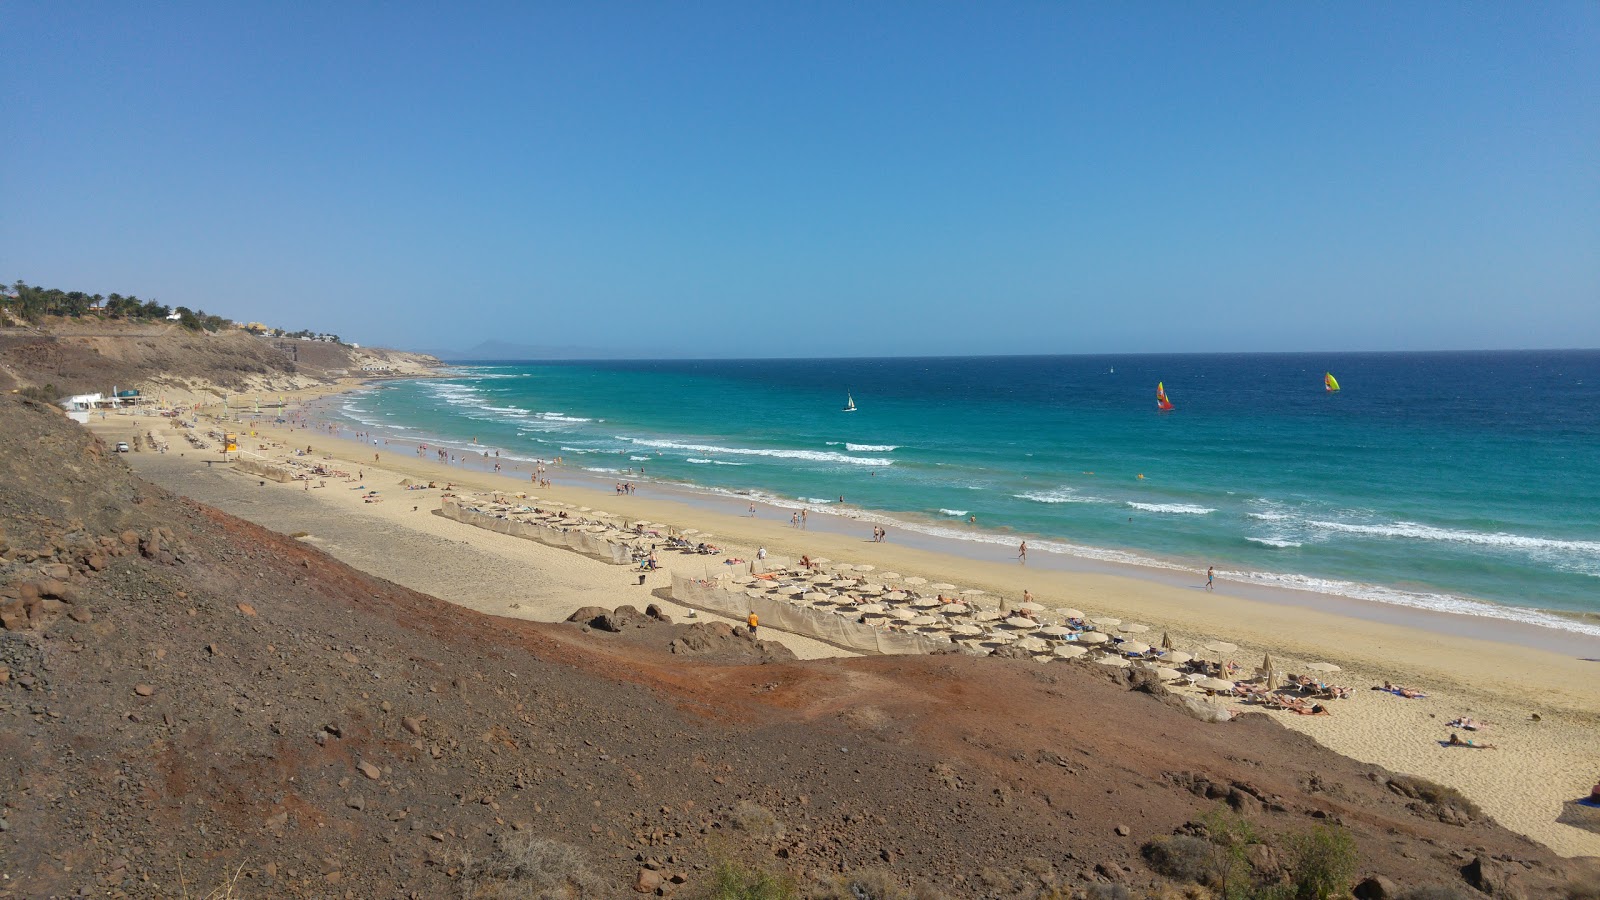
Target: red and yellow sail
x=1161, y=396
x=1329, y=382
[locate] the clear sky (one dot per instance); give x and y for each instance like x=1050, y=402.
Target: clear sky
x=755, y=179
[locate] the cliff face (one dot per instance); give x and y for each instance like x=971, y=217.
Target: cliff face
x=77, y=356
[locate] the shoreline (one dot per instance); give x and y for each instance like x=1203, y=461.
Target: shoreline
x=1501, y=682
x=1491, y=621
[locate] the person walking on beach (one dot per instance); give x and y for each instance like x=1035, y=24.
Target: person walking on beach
x=802, y=518
x=1211, y=576
x=753, y=621
x=1022, y=552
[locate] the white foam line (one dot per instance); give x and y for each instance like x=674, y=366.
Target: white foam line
x=812, y=455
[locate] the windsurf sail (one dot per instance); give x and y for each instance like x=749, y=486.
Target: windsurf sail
x=849, y=402
x=1329, y=382
x=1161, y=396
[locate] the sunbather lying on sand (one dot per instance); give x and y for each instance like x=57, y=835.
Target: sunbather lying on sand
x=1468, y=723
x=1456, y=741
x=1398, y=691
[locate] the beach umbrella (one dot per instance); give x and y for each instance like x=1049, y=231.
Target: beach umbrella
x=1266, y=663
x=871, y=609
x=1107, y=621
x=1000, y=637
x=1274, y=679
x=1167, y=673
x=814, y=596
x=1166, y=641
x=743, y=579
x=1032, y=644
x=1221, y=647
x=966, y=629
x=1031, y=606
x=1135, y=628
x=915, y=580
x=1214, y=684
x=889, y=576
x=926, y=602
x=895, y=596
x=1021, y=622
x=1055, y=630
x=866, y=568
x=942, y=586
x=1093, y=637
x=844, y=567
x=973, y=592
x=954, y=609
x=1133, y=647
x=924, y=620
x=1322, y=667
x=1178, y=656
x=1070, y=613
x=1070, y=651
x=989, y=615
x=821, y=560
x=1116, y=662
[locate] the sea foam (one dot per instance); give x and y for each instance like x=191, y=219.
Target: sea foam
x=811, y=455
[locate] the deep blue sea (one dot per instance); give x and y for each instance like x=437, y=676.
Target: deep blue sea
x=1460, y=481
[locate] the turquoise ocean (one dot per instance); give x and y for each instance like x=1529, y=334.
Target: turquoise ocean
x=1466, y=482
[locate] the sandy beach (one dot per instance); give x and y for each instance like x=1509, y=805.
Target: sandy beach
x=1539, y=764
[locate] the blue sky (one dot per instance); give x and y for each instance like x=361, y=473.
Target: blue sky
x=748, y=179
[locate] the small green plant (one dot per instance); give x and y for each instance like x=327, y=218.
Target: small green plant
x=1231, y=836
x=1181, y=857
x=1324, y=862
x=734, y=881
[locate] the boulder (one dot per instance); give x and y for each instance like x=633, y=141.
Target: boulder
x=1490, y=877
x=1375, y=887
x=588, y=614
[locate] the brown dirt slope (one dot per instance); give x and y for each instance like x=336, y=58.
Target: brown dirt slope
x=188, y=701
x=82, y=356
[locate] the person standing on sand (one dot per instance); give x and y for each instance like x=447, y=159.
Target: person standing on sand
x=1211, y=576
x=1022, y=552
x=752, y=621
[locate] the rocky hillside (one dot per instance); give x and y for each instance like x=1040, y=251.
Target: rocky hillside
x=193, y=706
x=87, y=355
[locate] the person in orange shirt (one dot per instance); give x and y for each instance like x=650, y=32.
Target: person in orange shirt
x=752, y=622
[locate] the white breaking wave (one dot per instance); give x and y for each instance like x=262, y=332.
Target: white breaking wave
x=953, y=512
x=1178, y=508
x=710, y=462
x=812, y=455
x=871, y=448
x=1415, y=531
x=642, y=458
x=1273, y=542
x=1059, y=495
x=562, y=417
